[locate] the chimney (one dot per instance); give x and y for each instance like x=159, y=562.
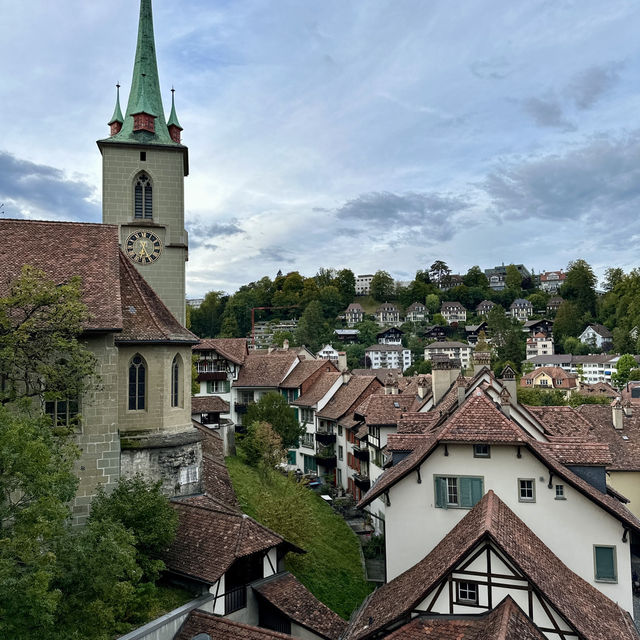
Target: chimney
x=505, y=402
x=342, y=360
x=461, y=385
x=617, y=414
x=481, y=359
x=510, y=383
x=627, y=408
x=346, y=376
x=270, y=349
x=285, y=344
x=441, y=370
x=422, y=387
x=390, y=385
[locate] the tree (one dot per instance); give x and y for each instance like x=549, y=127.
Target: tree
x=331, y=301
x=229, y=327
x=432, y=302
x=325, y=277
x=262, y=447
x=567, y=321
x=273, y=408
x=355, y=356
x=368, y=332
x=513, y=278
x=579, y=287
x=346, y=283
x=206, y=319
x=382, y=286
x=624, y=367
x=439, y=272
x=612, y=277
x=311, y=328
x=476, y=278
x=418, y=368
x=40, y=352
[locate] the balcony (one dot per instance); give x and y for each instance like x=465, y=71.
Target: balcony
x=235, y=599
x=325, y=437
x=326, y=457
x=362, y=482
x=361, y=453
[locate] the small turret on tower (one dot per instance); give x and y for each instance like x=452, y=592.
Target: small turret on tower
x=144, y=119
x=117, y=118
x=173, y=124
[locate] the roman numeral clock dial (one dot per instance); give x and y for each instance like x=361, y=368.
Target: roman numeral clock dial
x=143, y=247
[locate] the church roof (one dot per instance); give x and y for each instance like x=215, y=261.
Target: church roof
x=144, y=95
x=117, y=112
x=118, y=298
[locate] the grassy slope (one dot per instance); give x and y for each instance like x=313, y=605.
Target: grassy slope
x=331, y=568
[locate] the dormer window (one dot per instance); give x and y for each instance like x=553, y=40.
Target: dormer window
x=143, y=198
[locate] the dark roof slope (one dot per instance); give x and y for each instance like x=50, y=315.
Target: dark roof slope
x=201, y=622
x=209, y=404
x=347, y=395
x=594, y=615
x=265, y=369
x=287, y=594
x=318, y=390
x=60, y=250
x=304, y=370
x=234, y=349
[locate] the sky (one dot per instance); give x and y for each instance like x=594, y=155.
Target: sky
x=361, y=134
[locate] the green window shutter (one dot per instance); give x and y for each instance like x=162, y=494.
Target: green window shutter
x=295, y=394
x=295, y=413
x=227, y=386
x=209, y=386
x=291, y=457
x=441, y=492
x=284, y=393
x=470, y=491
x=605, y=563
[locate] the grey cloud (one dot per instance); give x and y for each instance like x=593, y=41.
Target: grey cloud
x=426, y=214
x=547, y=113
x=597, y=185
x=201, y=233
x=590, y=85
x=45, y=190
x=276, y=254
x=494, y=68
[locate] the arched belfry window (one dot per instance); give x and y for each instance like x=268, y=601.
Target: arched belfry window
x=175, y=382
x=137, y=383
x=143, y=197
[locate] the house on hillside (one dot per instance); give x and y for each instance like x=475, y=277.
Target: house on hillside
x=354, y=314
x=553, y=304
x=388, y=356
x=484, y=308
x=417, y=312
x=453, y=312
x=498, y=275
x=387, y=314
x=551, y=281
x=452, y=350
x=521, y=309
x=543, y=326
x=363, y=284
x=597, y=335
x=551, y=378
x=473, y=331
x=392, y=335
x=539, y=345
x=347, y=336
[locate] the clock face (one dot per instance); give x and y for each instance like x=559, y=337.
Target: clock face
x=143, y=247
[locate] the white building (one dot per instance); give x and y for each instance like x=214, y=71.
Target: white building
x=452, y=349
x=521, y=309
x=539, y=345
x=598, y=336
x=388, y=356
x=363, y=284
x=453, y=312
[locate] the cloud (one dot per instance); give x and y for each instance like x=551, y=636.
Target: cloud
x=276, y=254
x=493, y=68
x=429, y=214
x=596, y=186
x=590, y=85
x=547, y=113
x=31, y=190
x=201, y=233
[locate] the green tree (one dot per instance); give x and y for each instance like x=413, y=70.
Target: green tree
x=368, y=332
x=476, y=278
x=206, y=319
x=311, y=327
x=355, y=356
x=261, y=447
x=568, y=322
x=279, y=337
x=624, y=366
x=41, y=356
x=612, y=277
x=382, y=286
x=513, y=278
x=273, y=408
x=331, y=301
x=418, y=368
x=439, y=273
x=579, y=287
x=229, y=327
x=346, y=283
x=432, y=302
x=325, y=277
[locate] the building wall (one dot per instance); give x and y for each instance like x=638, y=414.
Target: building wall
x=568, y=527
x=628, y=484
x=165, y=167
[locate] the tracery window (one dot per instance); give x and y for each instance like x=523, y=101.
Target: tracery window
x=143, y=197
x=137, y=383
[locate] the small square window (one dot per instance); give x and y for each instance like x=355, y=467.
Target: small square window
x=468, y=592
x=481, y=451
x=526, y=490
x=560, y=492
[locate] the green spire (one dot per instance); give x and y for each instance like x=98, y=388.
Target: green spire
x=173, y=118
x=144, y=96
x=117, y=112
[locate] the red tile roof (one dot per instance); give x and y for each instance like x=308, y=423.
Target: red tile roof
x=287, y=594
x=348, y=395
x=211, y=536
x=588, y=610
x=506, y=622
x=319, y=389
x=209, y=404
x=218, y=628
x=265, y=369
x=63, y=250
x=305, y=370
x=234, y=349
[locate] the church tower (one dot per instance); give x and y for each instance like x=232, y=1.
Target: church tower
x=143, y=169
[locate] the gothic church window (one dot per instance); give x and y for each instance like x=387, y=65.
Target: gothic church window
x=143, y=197
x=175, y=382
x=137, y=383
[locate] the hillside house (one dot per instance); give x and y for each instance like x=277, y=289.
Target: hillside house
x=354, y=314
x=521, y=309
x=484, y=308
x=363, y=284
x=452, y=350
x=553, y=304
x=551, y=281
x=387, y=314
x=417, y=312
x=388, y=356
x=393, y=335
x=597, y=335
x=550, y=378
x=539, y=345
x=453, y=312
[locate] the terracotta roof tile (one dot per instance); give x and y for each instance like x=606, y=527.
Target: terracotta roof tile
x=347, y=395
x=145, y=318
x=216, y=627
x=318, y=390
x=304, y=370
x=265, y=369
x=384, y=409
x=381, y=374
x=209, y=404
x=285, y=592
x=212, y=536
x=234, y=349
x=418, y=422
x=588, y=610
x=506, y=622
x=60, y=250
